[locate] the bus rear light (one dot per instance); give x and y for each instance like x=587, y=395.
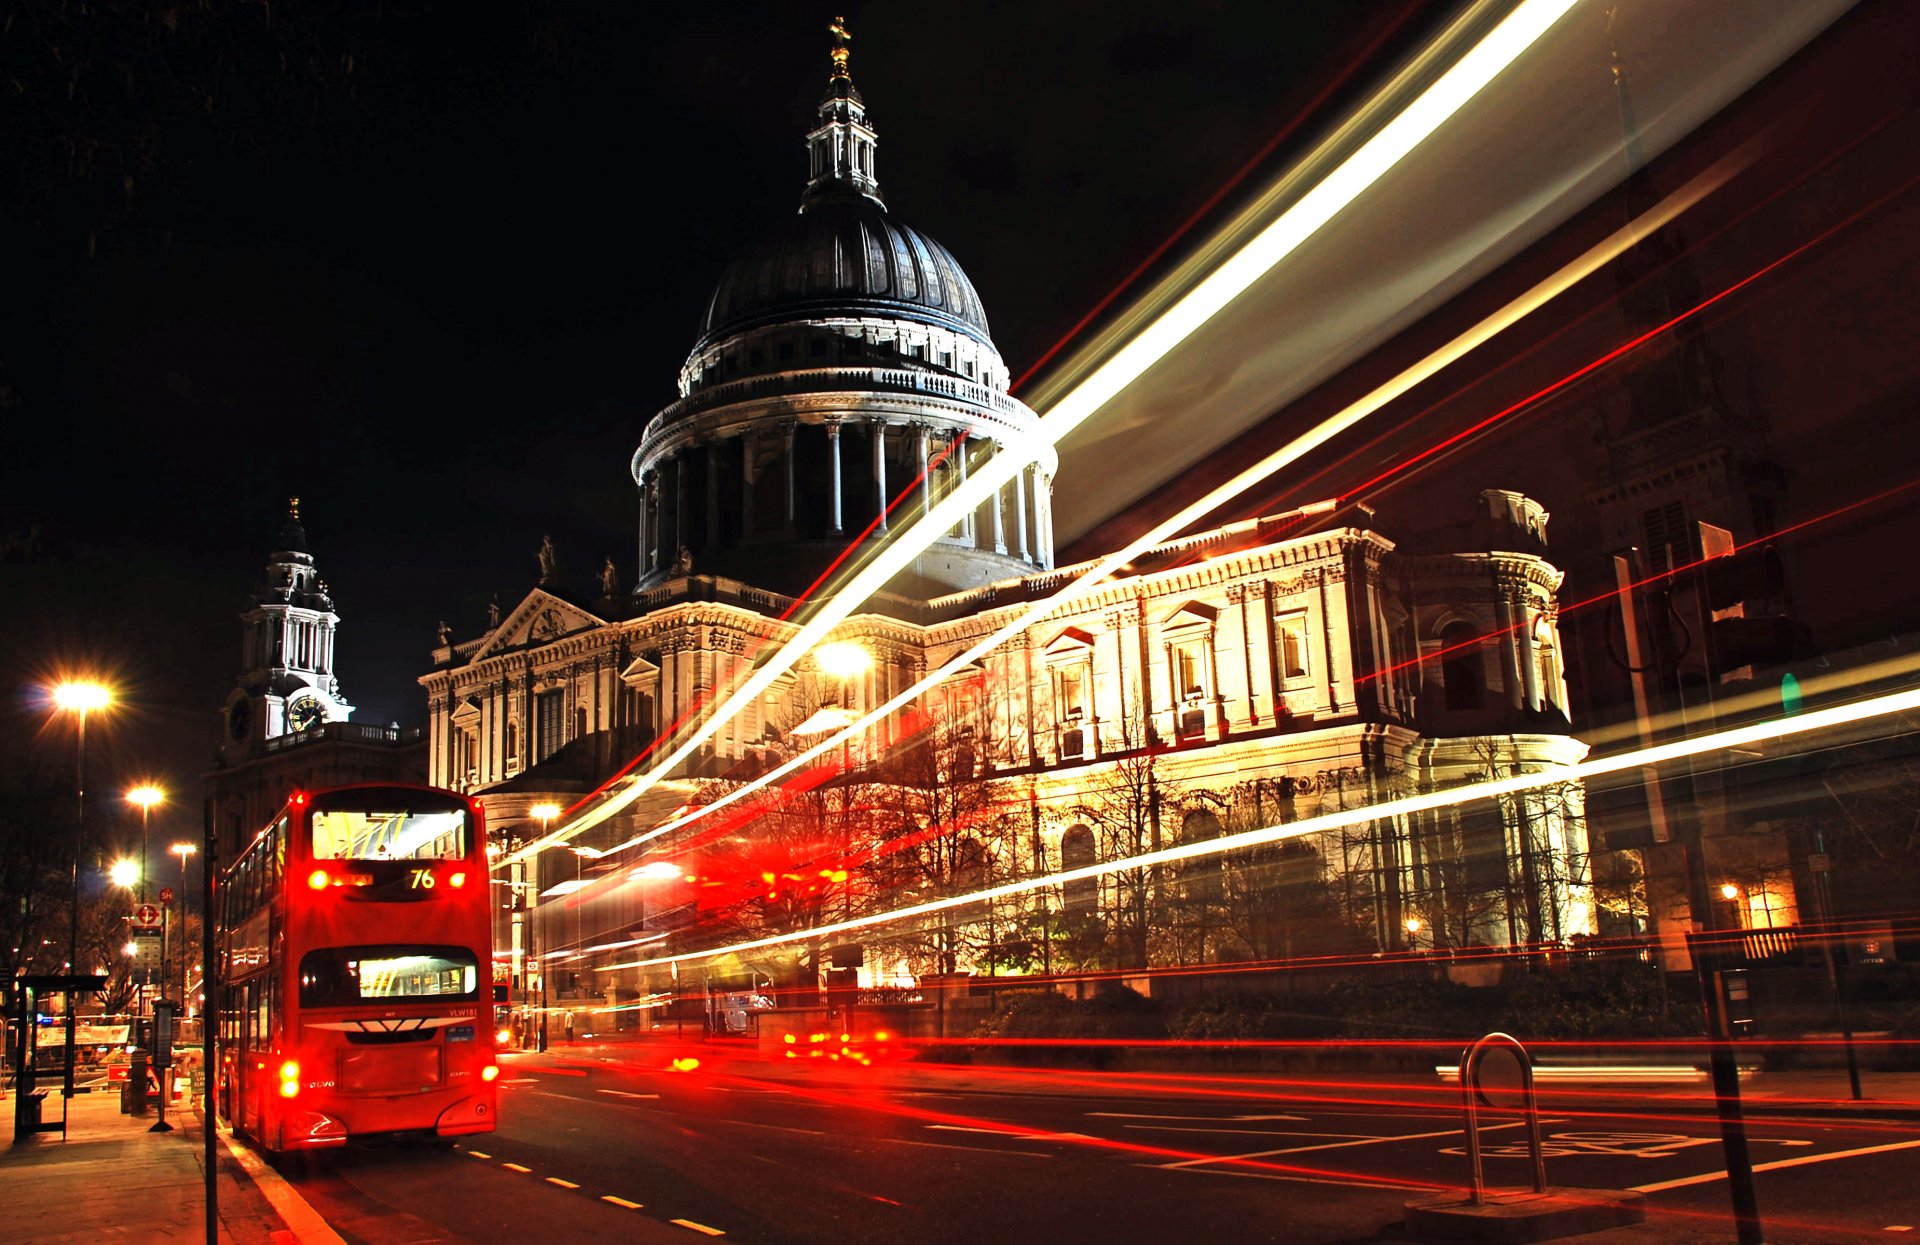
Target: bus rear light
x=289, y=1079
x=489, y=1072
x=319, y=879
x=457, y=880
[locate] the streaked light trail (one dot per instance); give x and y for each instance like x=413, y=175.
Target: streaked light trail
x=1480, y=65
x=1719, y=741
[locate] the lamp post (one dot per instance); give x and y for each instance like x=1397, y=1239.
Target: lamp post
x=145, y=796
x=183, y=850
x=544, y=813
x=78, y=699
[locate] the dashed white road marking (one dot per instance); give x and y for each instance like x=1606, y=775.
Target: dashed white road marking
x=621, y=1093
x=1258, y=1132
x=619, y=1201
x=565, y=1184
x=697, y=1227
x=1339, y=1145
x=478, y=1154
x=1898, y=1227
x=515, y=1167
x=1777, y=1165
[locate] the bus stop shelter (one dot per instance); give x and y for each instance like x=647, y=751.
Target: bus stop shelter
x=29, y=1099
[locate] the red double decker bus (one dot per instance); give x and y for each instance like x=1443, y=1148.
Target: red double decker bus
x=356, y=979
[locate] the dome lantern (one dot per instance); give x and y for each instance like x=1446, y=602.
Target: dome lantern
x=841, y=148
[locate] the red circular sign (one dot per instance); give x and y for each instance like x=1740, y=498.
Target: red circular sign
x=166, y=895
x=146, y=915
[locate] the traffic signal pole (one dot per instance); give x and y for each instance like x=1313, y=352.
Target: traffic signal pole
x=1705, y=950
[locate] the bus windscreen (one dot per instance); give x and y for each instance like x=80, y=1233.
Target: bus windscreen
x=359, y=834
x=347, y=976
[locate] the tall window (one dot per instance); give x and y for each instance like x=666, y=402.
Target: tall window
x=1070, y=692
x=550, y=710
x=1189, y=660
x=1290, y=644
x=513, y=741
x=1671, y=540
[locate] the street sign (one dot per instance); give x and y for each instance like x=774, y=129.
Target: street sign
x=1819, y=862
x=166, y=895
x=146, y=950
x=147, y=916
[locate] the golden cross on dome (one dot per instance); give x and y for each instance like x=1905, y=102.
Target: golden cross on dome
x=840, y=50
x=293, y=509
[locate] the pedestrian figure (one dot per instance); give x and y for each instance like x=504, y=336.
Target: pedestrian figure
x=569, y=1024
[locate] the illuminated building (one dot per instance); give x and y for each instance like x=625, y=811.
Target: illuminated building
x=285, y=725
x=1274, y=668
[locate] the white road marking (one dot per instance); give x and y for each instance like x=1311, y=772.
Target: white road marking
x=1126, y=1115
x=1002, y=1132
x=697, y=1227
x=1898, y=1227
x=478, y=1154
x=621, y=1093
x=515, y=1167
x=619, y=1201
x=1258, y=1132
x=565, y=1184
x=1777, y=1165
x=1344, y=1184
x=522, y=1080
x=1337, y=1145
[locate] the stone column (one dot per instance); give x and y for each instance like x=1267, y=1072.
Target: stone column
x=959, y=459
x=713, y=495
x=880, y=471
x=1020, y=512
x=669, y=557
x=749, y=445
x=790, y=431
x=642, y=556
x=999, y=522
x=833, y=463
x=926, y=477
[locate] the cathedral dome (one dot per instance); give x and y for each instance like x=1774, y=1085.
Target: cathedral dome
x=845, y=255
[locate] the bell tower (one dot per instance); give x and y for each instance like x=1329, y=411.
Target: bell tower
x=287, y=683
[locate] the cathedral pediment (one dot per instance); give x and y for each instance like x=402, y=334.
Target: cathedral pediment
x=539, y=619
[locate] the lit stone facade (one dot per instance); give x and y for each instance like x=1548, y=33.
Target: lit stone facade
x=1257, y=674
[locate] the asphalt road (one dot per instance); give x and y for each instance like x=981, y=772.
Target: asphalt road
x=623, y=1148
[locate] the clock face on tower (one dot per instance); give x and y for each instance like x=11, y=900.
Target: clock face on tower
x=303, y=713
x=239, y=718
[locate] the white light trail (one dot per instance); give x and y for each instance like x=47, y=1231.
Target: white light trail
x=1461, y=82
x=1659, y=754
x=1090, y=580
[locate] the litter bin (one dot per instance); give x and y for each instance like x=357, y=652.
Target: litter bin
x=133, y=1094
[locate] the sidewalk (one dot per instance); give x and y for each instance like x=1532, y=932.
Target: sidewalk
x=113, y=1178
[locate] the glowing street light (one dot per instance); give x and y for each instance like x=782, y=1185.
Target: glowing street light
x=77, y=698
x=125, y=874
x=183, y=850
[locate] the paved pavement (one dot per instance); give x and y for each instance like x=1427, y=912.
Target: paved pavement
x=112, y=1178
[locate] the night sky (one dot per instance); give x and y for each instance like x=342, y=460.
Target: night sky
x=431, y=266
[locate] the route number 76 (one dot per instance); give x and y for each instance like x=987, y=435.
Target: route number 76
x=420, y=879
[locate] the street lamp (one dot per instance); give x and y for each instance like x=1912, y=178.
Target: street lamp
x=544, y=813
x=184, y=850
x=125, y=874
x=78, y=699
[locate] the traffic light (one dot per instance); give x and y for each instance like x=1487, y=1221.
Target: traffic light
x=1744, y=598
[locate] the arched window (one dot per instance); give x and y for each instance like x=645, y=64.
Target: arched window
x=1077, y=852
x=1462, y=672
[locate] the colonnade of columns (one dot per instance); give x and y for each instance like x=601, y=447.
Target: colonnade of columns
x=799, y=480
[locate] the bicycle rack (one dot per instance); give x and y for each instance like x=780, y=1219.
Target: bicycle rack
x=1470, y=1095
